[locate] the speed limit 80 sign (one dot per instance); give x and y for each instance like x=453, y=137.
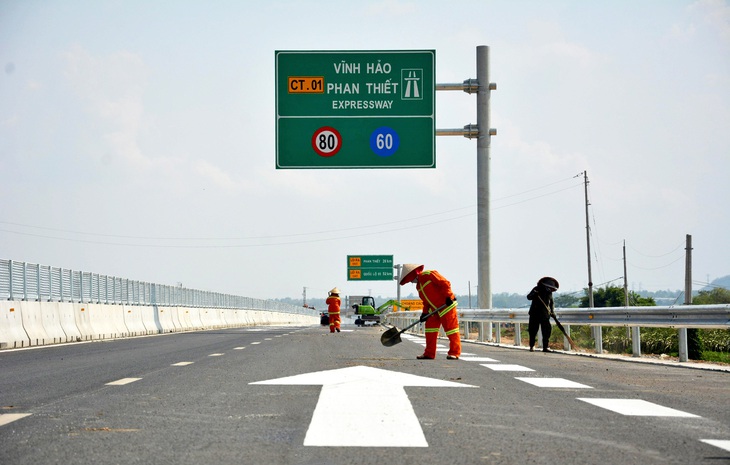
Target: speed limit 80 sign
x=355, y=109
x=326, y=141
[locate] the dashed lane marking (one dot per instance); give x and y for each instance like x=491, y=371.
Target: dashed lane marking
x=182, y=364
x=637, y=407
x=215, y=355
x=554, y=383
x=123, y=381
x=6, y=418
x=506, y=367
x=255, y=343
x=469, y=358
x=238, y=348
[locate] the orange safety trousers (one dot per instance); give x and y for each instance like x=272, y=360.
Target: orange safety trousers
x=334, y=321
x=450, y=322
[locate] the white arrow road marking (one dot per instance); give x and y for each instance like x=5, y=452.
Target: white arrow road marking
x=637, y=407
x=388, y=422
x=6, y=418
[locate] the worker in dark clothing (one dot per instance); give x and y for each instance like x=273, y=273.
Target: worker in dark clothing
x=541, y=309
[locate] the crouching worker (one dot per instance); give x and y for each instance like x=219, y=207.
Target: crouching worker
x=541, y=309
x=435, y=292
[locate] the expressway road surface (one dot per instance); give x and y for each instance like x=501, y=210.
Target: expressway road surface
x=299, y=395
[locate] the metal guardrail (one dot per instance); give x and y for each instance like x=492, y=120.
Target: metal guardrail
x=30, y=281
x=680, y=316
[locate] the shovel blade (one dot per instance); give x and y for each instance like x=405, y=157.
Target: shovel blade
x=391, y=337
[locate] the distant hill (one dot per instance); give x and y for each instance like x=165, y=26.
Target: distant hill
x=719, y=282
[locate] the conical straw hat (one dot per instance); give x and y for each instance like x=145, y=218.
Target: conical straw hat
x=409, y=272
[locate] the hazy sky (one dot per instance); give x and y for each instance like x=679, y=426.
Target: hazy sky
x=137, y=139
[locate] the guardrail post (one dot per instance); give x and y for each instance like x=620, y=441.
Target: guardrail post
x=635, y=341
x=518, y=335
x=598, y=335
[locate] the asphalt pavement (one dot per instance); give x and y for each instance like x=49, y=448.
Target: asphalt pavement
x=300, y=395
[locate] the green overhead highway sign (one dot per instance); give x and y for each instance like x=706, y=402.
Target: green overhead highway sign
x=355, y=109
x=369, y=267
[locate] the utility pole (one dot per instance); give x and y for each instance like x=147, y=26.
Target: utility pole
x=683, y=350
x=635, y=330
x=597, y=330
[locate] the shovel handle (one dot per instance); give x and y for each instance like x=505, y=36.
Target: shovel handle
x=423, y=318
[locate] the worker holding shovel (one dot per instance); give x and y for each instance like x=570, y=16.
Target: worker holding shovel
x=541, y=309
x=435, y=292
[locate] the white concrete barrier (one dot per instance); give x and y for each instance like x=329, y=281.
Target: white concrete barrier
x=103, y=322
x=12, y=333
x=33, y=323
x=195, y=319
x=186, y=319
x=68, y=321
x=51, y=321
x=150, y=319
x=24, y=323
x=212, y=318
x=176, y=318
x=165, y=319
x=115, y=313
x=133, y=320
x=82, y=317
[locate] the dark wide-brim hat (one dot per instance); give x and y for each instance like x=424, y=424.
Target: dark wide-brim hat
x=551, y=284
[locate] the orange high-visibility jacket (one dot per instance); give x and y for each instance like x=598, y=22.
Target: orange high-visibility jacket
x=434, y=289
x=333, y=305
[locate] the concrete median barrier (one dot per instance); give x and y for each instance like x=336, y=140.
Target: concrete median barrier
x=68, y=321
x=164, y=319
x=133, y=320
x=12, y=333
x=33, y=323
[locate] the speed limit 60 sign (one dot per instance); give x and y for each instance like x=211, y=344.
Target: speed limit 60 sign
x=355, y=109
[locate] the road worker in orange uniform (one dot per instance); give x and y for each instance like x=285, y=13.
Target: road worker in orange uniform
x=435, y=292
x=333, y=308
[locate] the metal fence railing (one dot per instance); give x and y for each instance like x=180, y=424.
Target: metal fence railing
x=489, y=321
x=30, y=281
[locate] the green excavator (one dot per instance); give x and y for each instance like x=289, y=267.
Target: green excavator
x=367, y=313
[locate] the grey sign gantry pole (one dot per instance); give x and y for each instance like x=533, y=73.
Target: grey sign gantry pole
x=483, y=133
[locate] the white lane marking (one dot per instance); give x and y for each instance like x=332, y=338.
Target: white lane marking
x=267, y=339
x=238, y=348
x=554, y=383
x=506, y=367
x=637, y=407
x=721, y=443
x=215, y=355
x=389, y=422
x=123, y=381
x=6, y=418
x=255, y=343
x=478, y=359
x=182, y=364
